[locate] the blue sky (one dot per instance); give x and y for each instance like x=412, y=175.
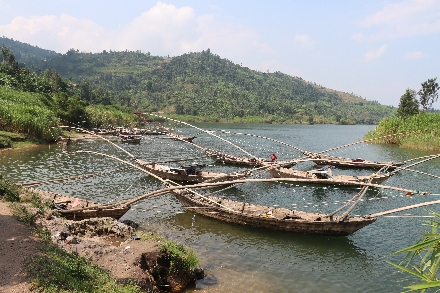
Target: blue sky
x=374, y=49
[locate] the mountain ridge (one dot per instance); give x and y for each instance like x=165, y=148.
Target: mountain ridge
x=202, y=84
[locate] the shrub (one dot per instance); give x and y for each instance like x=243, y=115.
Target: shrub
x=9, y=191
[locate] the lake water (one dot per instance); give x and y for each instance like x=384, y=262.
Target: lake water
x=244, y=259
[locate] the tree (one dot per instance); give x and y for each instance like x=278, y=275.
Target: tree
x=409, y=105
x=428, y=94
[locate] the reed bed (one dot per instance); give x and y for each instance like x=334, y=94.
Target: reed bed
x=421, y=131
x=23, y=112
x=102, y=116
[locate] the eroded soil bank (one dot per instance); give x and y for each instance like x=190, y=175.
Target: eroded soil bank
x=104, y=241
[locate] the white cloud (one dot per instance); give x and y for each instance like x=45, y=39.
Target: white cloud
x=57, y=33
x=303, y=40
x=407, y=18
x=162, y=30
x=375, y=54
x=414, y=55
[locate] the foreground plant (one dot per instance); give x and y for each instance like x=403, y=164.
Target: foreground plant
x=422, y=260
x=55, y=270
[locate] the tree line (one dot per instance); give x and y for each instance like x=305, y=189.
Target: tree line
x=413, y=102
x=203, y=85
x=37, y=103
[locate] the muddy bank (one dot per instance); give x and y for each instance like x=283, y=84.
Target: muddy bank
x=115, y=247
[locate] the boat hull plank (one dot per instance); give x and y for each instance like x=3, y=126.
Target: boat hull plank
x=271, y=218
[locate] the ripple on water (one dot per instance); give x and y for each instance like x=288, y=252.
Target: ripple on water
x=244, y=259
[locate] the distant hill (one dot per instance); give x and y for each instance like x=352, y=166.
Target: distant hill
x=204, y=85
x=26, y=54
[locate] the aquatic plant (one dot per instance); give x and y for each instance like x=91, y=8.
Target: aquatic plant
x=421, y=131
x=422, y=260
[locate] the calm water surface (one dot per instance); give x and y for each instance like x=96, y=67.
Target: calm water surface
x=245, y=259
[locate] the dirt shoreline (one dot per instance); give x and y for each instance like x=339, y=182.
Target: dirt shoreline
x=104, y=241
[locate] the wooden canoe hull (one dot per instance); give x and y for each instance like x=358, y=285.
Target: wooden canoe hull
x=336, y=180
x=200, y=177
x=115, y=213
x=233, y=160
x=284, y=220
x=86, y=210
x=349, y=163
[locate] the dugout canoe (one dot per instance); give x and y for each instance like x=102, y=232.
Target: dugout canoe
x=189, y=174
x=320, y=159
x=78, y=209
x=324, y=175
x=269, y=217
x=224, y=158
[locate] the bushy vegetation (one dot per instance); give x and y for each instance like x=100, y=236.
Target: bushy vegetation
x=103, y=116
x=421, y=131
x=36, y=104
x=181, y=258
x=26, y=113
x=9, y=191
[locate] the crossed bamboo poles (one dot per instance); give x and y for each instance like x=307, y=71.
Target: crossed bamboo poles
x=356, y=199
x=169, y=188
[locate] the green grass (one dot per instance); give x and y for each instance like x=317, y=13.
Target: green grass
x=181, y=258
x=55, y=270
x=421, y=131
x=26, y=113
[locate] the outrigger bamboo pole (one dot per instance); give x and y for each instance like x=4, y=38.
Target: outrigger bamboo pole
x=208, y=132
x=335, y=148
x=166, y=182
x=405, y=208
x=428, y=158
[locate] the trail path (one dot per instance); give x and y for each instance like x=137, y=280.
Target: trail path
x=17, y=243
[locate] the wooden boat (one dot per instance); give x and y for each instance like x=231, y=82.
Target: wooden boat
x=347, y=162
x=324, y=175
x=182, y=138
x=76, y=209
x=134, y=139
x=223, y=158
x=269, y=217
x=189, y=174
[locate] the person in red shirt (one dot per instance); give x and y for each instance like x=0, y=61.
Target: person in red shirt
x=273, y=157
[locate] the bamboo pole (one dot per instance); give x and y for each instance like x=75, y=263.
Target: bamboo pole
x=405, y=208
x=431, y=157
x=202, y=130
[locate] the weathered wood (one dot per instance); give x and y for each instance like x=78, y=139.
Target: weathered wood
x=347, y=180
x=165, y=172
x=271, y=218
x=86, y=209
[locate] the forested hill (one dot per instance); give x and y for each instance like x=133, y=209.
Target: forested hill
x=203, y=84
x=26, y=54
